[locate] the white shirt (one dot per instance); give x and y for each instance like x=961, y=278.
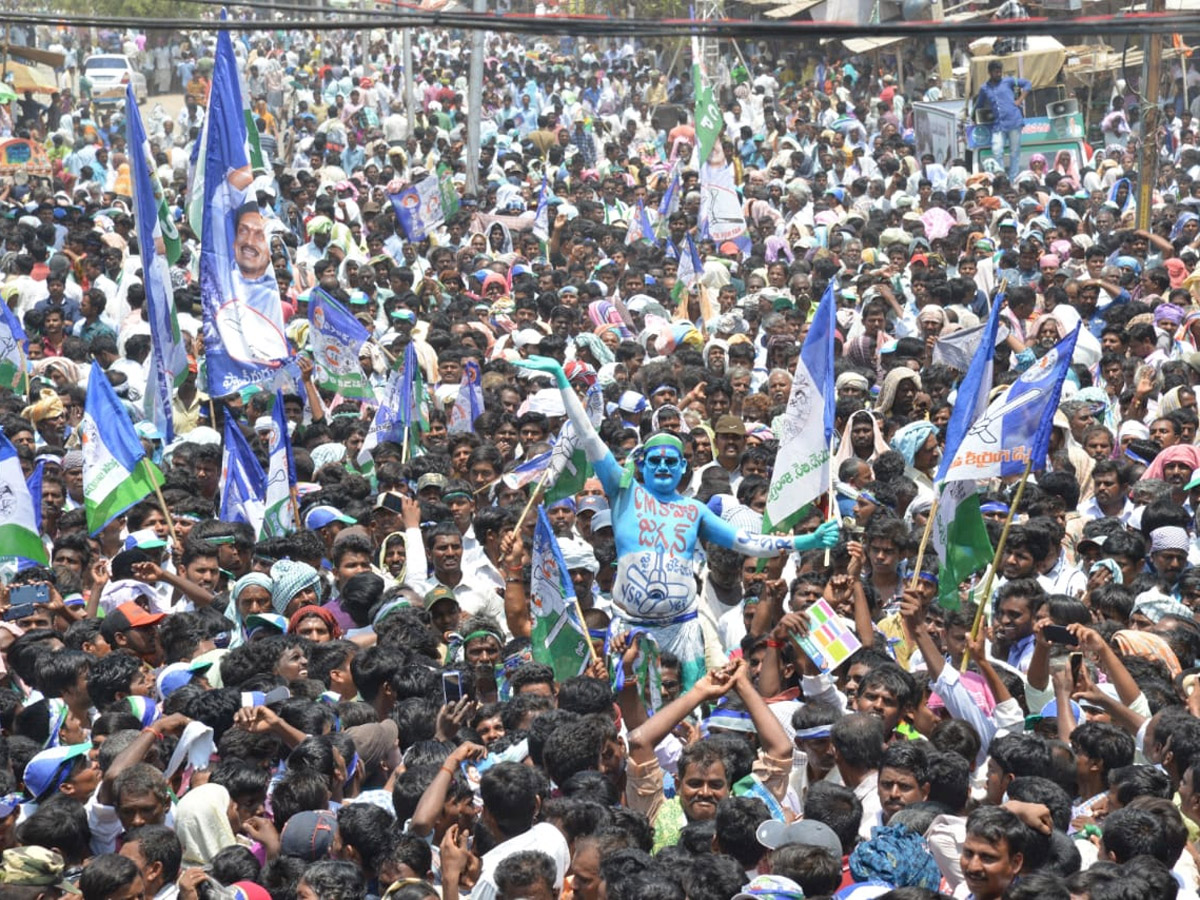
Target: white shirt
x=542, y=837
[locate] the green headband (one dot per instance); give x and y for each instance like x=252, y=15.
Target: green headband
x=664, y=439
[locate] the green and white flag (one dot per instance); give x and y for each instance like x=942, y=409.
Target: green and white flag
x=18, y=519
x=114, y=474
x=560, y=638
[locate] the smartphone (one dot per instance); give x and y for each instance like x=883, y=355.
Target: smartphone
x=452, y=687
x=1058, y=634
x=29, y=593
x=18, y=612
x=392, y=501
x=1076, y=662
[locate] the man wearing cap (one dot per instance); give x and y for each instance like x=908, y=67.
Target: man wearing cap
x=730, y=440
x=34, y=873
x=131, y=629
x=657, y=530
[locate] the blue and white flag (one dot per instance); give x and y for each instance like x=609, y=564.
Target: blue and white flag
x=801, y=472
x=640, y=228
x=419, y=208
x=20, y=514
x=690, y=269
x=721, y=215
x=168, y=355
x=14, y=347
x=244, y=340
x=670, y=200
x=386, y=425
x=529, y=471
x=337, y=338
x=242, y=480
x=541, y=221
x=1016, y=426
x=959, y=535
x=34, y=483
x=560, y=639
x=468, y=405
x=281, y=475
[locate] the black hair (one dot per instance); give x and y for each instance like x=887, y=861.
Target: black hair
x=106, y=874
x=859, y=739
x=366, y=828
x=510, y=792
x=737, y=823
x=837, y=807
x=159, y=844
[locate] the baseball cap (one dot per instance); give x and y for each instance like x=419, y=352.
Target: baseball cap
x=273, y=622
x=602, y=519
x=774, y=834
x=35, y=867
x=176, y=675
x=439, y=594
x=126, y=616
x=730, y=425
x=320, y=516
x=309, y=835
x=592, y=504
x=50, y=768
x=431, y=479
x=144, y=539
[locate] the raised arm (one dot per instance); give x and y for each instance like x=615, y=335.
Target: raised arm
x=601, y=458
x=714, y=528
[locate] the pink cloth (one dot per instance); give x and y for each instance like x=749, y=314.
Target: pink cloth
x=1188, y=453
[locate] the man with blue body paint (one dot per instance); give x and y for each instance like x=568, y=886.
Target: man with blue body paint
x=657, y=530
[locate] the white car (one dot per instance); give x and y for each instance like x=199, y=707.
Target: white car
x=110, y=73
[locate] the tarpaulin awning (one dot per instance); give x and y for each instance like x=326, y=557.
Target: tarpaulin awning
x=866, y=45
x=1040, y=62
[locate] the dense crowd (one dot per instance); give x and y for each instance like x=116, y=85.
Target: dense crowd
x=361, y=707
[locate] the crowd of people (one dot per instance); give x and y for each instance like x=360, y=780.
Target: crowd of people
x=360, y=708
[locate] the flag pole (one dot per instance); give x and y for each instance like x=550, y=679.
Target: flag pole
x=833, y=516
x=916, y=576
x=991, y=575
x=294, y=499
x=162, y=504
x=533, y=498
x=583, y=625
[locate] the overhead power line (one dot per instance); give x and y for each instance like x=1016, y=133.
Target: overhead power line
x=603, y=26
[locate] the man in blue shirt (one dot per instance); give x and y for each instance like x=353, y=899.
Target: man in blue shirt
x=1002, y=95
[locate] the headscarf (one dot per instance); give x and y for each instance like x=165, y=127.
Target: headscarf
x=288, y=578
x=909, y=439
x=321, y=613
x=1188, y=453
x=597, y=348
x=202, y=824
x=1149, y=646
x=896, y=855
x=1170, y=401
x=846, y=448
x=256, y=579
x=891, y=383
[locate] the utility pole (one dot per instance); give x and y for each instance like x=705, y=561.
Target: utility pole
x=1148, y=151
x=410, y=90
x=475, y=101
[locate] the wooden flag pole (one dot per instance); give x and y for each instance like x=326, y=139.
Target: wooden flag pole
x=916, y=576
x=162, y=504
x=991, y=575
x=533, y=498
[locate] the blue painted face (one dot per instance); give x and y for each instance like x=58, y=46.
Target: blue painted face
x=662, y=468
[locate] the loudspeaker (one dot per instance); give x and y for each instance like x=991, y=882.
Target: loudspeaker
x=1061, y=108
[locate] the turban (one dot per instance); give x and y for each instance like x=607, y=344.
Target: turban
x=48, y=406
